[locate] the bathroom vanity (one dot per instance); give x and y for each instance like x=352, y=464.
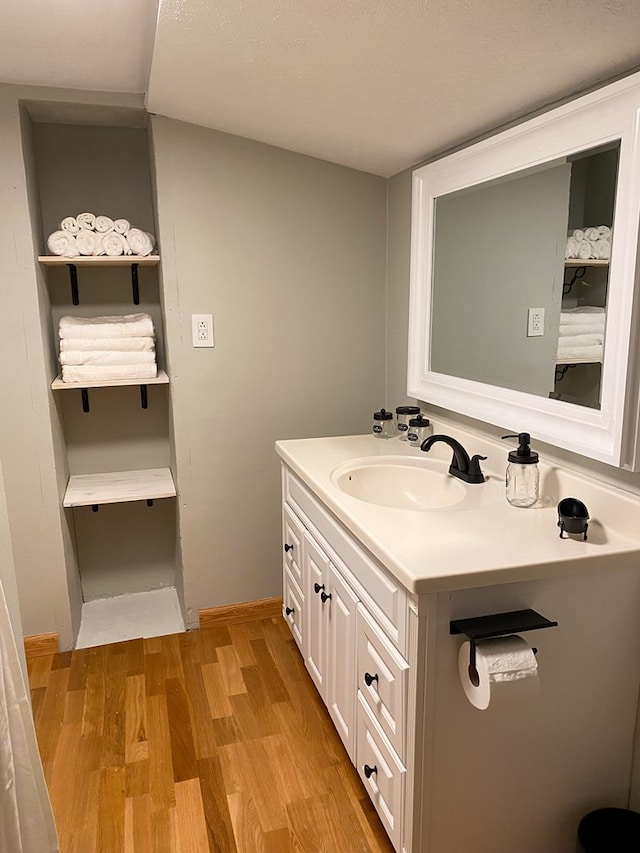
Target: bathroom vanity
x=382, y=550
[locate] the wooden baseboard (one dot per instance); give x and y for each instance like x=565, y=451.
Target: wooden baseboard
x=245, y=611
x=41, y=644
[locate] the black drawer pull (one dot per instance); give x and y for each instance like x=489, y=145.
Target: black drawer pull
x=317, y=587
x=369, y=679
x=288, y=610
x=288, y=547
x=324, y=596
x=369, y=771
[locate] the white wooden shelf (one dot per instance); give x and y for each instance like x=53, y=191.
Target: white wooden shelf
x=119, y=487
x=579, y=361
x=590, y=262
x=100, y=261
x=59, y=385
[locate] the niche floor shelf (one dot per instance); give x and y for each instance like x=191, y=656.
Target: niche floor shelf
x=59, y=385
x=119, y=487
x=589, y=262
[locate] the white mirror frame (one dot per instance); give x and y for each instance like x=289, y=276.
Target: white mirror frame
x=611, y=113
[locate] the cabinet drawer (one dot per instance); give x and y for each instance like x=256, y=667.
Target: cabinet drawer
x=385, y=597
x=292, y=532
x=381, y=771
x=293, y=608
x=382, y=680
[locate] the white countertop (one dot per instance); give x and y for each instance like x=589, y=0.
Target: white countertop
x=483, y=540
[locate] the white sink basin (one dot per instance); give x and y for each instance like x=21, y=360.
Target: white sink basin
x=400, y=482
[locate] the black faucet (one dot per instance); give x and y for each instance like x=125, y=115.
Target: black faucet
x=461, y=466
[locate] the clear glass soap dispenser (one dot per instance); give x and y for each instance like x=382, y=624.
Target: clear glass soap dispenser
x=523, y=476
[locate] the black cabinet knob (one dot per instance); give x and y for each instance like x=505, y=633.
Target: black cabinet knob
x=369, y=771
x=369, y=679
x=288, y=610
x=324, y=596
x=317, y=587
x=288, y=547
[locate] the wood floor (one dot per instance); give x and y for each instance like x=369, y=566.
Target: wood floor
x=209, y=740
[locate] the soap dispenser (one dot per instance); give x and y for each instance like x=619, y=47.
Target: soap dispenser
x=523, y=476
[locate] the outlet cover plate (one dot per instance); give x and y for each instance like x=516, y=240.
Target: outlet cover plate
x=202, y=330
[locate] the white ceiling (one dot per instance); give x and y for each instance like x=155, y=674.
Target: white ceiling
x=378, y=85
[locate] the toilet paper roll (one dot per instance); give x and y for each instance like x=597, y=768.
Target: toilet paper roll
x=507, y=672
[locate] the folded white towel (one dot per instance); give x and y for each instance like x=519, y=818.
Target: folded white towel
x=113, y=244
x=578, y=235
x=574, y=329
x=141, y=242
x=122, y=226
x=567, y=353
x=571, y=249
x=604, y=231
x=70, y=224
x=107, y=344
x=591, y=234
x=125, y=325
x=105, y=357
x=583, y=314
x=87, y=242
x=86, y=220
x=578, y=340
x=103, y=224
x=62, y=243
x=91, y=373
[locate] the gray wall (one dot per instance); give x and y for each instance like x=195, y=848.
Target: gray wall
x=288, y=253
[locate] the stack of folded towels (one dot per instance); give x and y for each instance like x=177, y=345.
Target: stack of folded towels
x=107, y=348
x=589, y=243
x=86, y=234
x=581, y=334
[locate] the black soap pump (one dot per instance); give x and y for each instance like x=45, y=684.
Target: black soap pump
x=523, y=476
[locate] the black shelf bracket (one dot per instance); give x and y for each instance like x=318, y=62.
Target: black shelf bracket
x=94, y=507
x=135, y=287
x=85, y=399
x=73, y=278
x=149, y=501
x=496, y=625
x=567, y=285
x=144, y=402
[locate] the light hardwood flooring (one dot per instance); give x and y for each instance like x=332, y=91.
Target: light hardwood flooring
x=212, y=740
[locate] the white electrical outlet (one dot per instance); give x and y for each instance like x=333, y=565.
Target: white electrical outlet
x=535, y=322
x=202, y=330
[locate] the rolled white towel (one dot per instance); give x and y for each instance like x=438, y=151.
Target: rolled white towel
x=124, y=325
x=86, y=221
x=122, y=226
x=567, y=330
x=571, y=248
x=583, y=314
x=584, y=250
x=103, y=224
x=143, y=344
x=591, y=234
x=140, y=242
x=604, y=231
x=63, y=244
x=602, y=249
x=578, y=235
x=92, y=373
x=113, y=244
x=87, y=242
x=70, y=224
x=106, y=357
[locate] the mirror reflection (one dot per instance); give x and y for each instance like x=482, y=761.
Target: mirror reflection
x=520, y=273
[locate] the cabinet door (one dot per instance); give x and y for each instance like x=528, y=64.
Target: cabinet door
x=292, y=533
x=293, y=609
x=340, y=672
x=316, y=574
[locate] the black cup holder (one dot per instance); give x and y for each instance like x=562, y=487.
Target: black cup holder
x=573, y=517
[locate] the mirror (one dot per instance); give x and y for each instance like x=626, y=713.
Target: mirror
x=522, y=277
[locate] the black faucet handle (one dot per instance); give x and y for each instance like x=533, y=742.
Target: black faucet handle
x=475, y=472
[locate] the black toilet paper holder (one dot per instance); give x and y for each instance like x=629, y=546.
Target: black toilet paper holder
x=496, y=625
